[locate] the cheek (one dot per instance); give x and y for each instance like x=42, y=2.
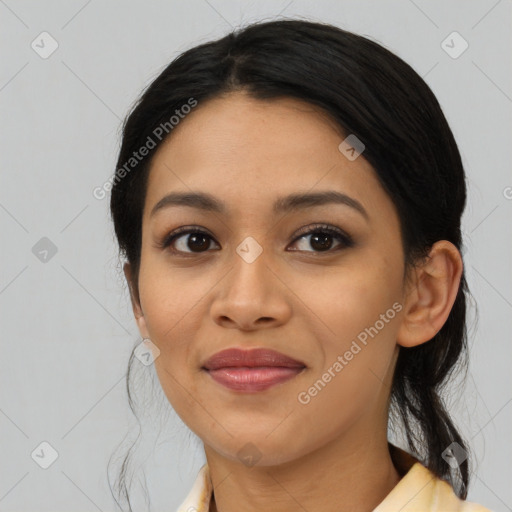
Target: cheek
x=344, y=301
x=169, y=303
x=358, y=314
x=171, y=317
x=357, y=367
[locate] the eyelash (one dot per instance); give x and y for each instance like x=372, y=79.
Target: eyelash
x=345, y=239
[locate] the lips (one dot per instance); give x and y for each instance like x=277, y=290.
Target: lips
x=258, y=357
x=251, y=370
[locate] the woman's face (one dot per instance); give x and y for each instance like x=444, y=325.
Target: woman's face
x=256, y=279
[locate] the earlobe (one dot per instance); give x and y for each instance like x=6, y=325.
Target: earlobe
x=431, y=294
x=135, y=300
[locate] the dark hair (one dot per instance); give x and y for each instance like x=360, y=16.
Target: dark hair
x=371, y=93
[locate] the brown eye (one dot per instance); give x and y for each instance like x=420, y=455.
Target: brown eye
x=196, y=242
x=187, y=241
x=321, y=238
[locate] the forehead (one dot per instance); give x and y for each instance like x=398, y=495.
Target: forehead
x=237, y=125
x=249, y=152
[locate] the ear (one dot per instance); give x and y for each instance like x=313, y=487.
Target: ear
x=134, y=296
x=431, y=293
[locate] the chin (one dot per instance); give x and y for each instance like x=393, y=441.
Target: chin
x=257, y=450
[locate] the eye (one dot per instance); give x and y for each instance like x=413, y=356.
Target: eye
x=321, y=238
x=187, y=240
x=190, y=240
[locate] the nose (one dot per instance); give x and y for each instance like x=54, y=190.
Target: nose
x=251, y=296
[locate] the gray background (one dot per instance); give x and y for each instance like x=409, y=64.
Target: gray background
x=67, y=326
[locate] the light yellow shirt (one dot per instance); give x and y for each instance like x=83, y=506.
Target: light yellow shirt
x=419, y=490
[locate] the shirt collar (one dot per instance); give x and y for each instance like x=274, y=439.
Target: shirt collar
x=418, y=489
x=198, y=499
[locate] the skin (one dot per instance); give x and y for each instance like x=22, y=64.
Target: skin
x=305, y=303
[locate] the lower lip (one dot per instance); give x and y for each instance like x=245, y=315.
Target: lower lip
x=248, y=379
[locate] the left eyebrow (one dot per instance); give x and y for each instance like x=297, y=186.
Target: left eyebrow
x=293, y=202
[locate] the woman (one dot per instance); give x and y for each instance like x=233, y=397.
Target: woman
x=288, y=199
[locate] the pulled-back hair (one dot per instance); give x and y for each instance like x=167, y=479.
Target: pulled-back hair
x=371, y=93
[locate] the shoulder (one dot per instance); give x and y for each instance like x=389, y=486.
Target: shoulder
x=446, y=499
x=420, y=490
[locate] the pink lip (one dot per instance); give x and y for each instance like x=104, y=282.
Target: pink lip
x=251, y=370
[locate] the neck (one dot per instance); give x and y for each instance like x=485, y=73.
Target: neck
x=343, y=475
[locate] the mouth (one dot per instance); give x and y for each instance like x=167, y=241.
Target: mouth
x=251, y=370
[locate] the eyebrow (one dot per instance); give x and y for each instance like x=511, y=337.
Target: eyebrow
x=290, y=203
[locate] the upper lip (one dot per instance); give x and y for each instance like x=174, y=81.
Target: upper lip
x=233, y=357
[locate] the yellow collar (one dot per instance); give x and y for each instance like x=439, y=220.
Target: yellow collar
x=419, y=490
